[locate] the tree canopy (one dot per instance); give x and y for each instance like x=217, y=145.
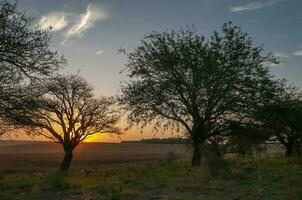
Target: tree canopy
x=68, y=113
x=282, y=118
x=202, y=86
x=25, y=54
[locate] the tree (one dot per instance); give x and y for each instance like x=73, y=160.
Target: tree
x=24, y=55
x=182, y=80
x=68, y=113
x=246, y=140
x=283, y=118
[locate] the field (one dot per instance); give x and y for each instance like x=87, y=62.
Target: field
x=142, y=172
x=40, y=156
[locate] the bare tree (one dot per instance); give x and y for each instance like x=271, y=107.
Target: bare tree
x=24, y=54
x=68, y=113
x=202, y=86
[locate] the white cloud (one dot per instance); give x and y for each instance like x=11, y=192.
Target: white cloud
x=254, y=5
x=53, y=21
x=297, y=53
x=85, y=21
x=99, y=52
x=270, y=64
x=275, y=64
x=281, y=55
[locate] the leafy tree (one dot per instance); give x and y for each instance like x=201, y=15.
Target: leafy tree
x=246, y=140
x=181, y=80
x=24, y=55
x=283, y=117
x=68, y=113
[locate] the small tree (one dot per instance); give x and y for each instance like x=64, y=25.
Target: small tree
x=24, y=55
x=246, y=140
x=283, y=118
x=68, y=113
x=182, y=80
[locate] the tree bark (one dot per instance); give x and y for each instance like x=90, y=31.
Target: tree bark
x=196, y=158
x=66, y=161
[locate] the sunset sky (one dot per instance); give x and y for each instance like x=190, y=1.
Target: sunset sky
x=90, y=32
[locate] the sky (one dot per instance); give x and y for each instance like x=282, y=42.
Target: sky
x=89, y=33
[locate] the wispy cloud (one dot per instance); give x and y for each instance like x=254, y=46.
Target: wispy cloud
x=53, y=21
x=282, y=59
x=275, y=64
x=271, y=64
x=281, y=55
x=254, y=5
x=99, y=52
x=85, y=21
x=297, y=53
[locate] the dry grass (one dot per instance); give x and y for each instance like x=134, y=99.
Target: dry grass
x=245, y=179
x=142, y=171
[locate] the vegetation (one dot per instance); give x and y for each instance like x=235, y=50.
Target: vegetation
x=283, y=118
x=25, y=55
x=246, y=141
x=202, y=86
x=262, y=178
x=68, y=113
x=218, y=92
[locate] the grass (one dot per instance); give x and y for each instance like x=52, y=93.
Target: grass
x=262, y=178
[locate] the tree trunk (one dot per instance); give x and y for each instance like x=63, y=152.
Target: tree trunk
x=66, y=161
x=196, y=158
x=289, y=149
x=217, y=150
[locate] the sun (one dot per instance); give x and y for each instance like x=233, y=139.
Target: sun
x=103, y=138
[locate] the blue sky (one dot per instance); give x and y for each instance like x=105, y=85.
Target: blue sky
x=90, y=32
x=113, y=24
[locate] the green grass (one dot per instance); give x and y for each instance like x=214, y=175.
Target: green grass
x=263, y=178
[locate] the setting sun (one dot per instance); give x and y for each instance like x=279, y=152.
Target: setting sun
x=104, y=138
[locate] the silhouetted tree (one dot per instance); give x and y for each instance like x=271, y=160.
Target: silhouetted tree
x=246, y=140
x=24, y=55
x=182, y=80
x=283, y=117
x=68, y=113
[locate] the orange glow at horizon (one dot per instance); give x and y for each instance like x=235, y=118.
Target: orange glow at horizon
x=130, y=135
x=133, y=134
